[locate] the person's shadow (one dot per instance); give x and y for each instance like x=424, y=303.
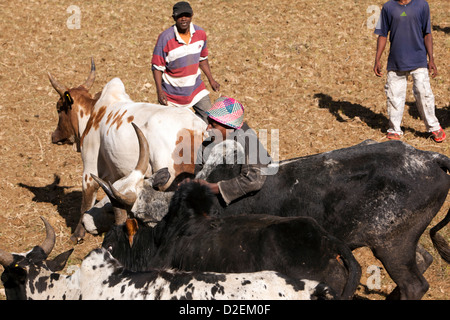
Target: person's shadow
x=68, y=205
x=446, y=30
x=376, y=121
x=443, y=114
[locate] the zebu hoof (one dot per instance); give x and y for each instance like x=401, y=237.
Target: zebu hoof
x=76, y=240
x=78, y=235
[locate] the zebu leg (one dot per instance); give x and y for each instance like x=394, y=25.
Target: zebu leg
x=402, y=267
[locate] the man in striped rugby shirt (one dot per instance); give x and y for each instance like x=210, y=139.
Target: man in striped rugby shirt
x=178, y=54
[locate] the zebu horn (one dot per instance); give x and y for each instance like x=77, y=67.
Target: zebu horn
x=47, y=246
x=144, y=153
x=56, y=85
x=115, y=196
x=144, y=157
x=6, y=258
x=119, y=201
x=127, y=199
x=103, y=185
x=142, y=165
x=50, y=237
x=90, y=80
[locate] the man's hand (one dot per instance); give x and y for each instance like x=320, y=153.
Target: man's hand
x=381, y=44
x=377, y=69
x=214, y=85
x=162, y=98
x=432, y=69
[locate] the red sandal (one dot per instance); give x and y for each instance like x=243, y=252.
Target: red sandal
x=393, y=136
x=438, y=135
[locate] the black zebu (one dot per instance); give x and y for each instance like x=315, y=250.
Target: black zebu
x=187, y=238
x=377, y=195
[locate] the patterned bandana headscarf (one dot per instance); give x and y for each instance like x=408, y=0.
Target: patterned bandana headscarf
x=227, y=111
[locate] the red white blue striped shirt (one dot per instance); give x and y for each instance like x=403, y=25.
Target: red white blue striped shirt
x=179, y=62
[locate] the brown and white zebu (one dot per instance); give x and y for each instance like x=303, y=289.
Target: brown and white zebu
x=100, y=127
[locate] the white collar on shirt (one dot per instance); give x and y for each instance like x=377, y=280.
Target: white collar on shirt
x=177, y=35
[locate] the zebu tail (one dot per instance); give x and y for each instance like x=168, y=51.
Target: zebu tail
x=442, y=161
x=353, y=268
x=438, y=241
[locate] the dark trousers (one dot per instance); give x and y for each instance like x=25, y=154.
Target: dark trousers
x=201, y=107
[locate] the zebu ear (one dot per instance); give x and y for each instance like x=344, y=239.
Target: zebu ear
x=68, y=99
x=131, y=226
x=59, y=262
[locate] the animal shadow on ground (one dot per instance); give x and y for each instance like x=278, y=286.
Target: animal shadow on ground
x=376, y=121
x=68, y=205
x=443, y=114
x=446, y=30
x=339, y=108
x=365, y=290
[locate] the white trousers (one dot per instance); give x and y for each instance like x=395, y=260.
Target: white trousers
x=395, y=89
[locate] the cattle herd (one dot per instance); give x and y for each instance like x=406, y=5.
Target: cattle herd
x=168, y=237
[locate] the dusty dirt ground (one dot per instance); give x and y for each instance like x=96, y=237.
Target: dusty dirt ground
x=304, y=68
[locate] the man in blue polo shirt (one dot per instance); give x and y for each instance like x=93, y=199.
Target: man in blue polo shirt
x=408, y=24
